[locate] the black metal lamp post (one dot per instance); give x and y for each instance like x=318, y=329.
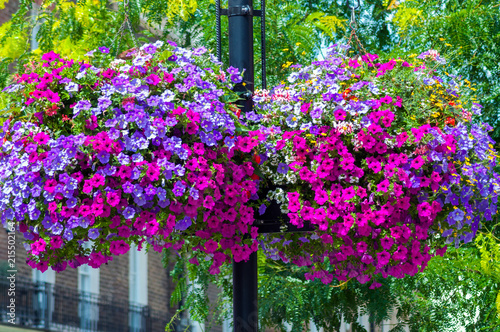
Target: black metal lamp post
x=240, y=15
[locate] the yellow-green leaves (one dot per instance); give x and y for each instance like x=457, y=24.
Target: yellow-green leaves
x=498, y=303
x=14, y=44
x=391, y=4
x=407, y=17
x=181, y=8
x=489, y=247
x=329, y=24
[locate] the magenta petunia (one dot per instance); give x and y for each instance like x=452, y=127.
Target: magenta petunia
x=340, y=114
x=417, y=163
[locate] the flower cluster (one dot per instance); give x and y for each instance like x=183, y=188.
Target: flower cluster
x=358, y=153
x=145, y=150
x=386, y=161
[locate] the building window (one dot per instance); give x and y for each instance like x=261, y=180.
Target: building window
x=138, y=289
x=43, y=301
x=88, y=290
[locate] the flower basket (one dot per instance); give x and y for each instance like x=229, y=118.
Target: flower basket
x=114, y=152
x=386, y=160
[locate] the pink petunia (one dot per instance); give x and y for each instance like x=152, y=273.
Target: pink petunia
x=167, y=77
x=398, y=101
x=383, y=186
x=56, y=242
x=387, y=99
x=401, y=138
x=41, y=138
x=191, y=128
x=193, y=116
x=354, y=63
x=340, y=114
x=417, y=162
x=321, y=197
x=119, y=247
x=153, y=79
x=113, y=198
x=199, y=148
x=208, y=203
x=304, y=108
x=424, y=209
x=435, y=177
x=50, y=57
x=211, y=246
x=383, y=258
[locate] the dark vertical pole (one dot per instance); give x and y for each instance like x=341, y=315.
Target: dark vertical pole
x=263, y=42
x=245, y=309
x=240, y=16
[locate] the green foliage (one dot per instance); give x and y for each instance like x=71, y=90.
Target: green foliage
x=329, y=24
x=11, y=46
x=191, y=290
x=156, y=11
x=453, y=293
x=4, y=78
x=470, y=29
x=4, y=266
x=292, y=34
x=457, y=291
x=285, y=296
x=489, y=247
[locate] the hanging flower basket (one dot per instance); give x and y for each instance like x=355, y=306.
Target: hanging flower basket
x=142, y=151
x=384, y=158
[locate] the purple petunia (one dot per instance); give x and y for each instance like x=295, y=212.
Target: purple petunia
x=129, y=212
x=183, y=224
x=283, y=168
x=179, y=189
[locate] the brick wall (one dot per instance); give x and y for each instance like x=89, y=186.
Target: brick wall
x=159, y=283
x=10, y=8
x=114, y=279
x=23, y=270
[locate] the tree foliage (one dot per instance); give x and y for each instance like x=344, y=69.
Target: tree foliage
x=467, y=32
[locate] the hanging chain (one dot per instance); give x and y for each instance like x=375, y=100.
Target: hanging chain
x=217, y=30
x=263, y=42
x=125, y=24
x=353, y=25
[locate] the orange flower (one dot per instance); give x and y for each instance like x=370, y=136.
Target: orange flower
x=450, y=121
x=346, y=94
